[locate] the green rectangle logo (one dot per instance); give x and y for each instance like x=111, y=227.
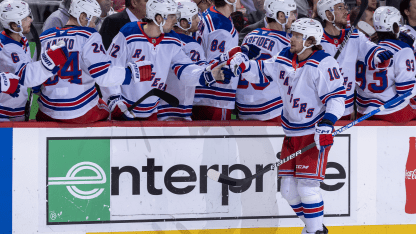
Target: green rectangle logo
x=78, y=180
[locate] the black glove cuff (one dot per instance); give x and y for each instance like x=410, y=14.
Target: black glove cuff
x=325, y=121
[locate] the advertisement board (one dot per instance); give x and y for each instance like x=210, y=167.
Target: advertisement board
x=126, y=179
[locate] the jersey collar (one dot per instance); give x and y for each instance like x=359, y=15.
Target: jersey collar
x=22, y=42
x=154, y=41
x=296, y=64
x=335, y=40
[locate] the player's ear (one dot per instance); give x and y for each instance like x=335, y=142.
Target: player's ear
x=329, y=15
x=184, y=23
x=396, y=28
x=14, y=27
x=83, y=19
x=309, y=41
x=159, y=19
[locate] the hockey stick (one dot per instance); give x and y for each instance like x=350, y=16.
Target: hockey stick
x=363, y=6
x=167, y=97
x=38, y=49
x=224, y=179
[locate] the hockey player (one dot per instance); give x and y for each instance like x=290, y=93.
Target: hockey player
x=70, y=96
x=15, y=59
x=217, y=35
x=155, y=42
x=313, y=100
x=408, y=32
x=188, y=23
x=262, y=101
x=358, y=47
x=378, y=86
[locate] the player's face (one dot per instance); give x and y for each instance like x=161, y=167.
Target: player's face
x=411, y=12
x=170, y=22
x=341, y=13
x=292, y=18
x=372, y=4
x=26, y=22
x=195, y=22
x=105, y=6
x=296, y=42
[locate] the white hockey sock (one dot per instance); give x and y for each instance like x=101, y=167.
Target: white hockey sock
x=313, y=205
x=289, y=191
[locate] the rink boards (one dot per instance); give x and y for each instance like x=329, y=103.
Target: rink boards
x=152, y=178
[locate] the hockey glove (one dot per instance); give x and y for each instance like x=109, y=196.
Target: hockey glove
x=382, y=57
x=55, y=57
x=239, y=64
x=141, y=71
x=224, y=57
x=252, y=51
x=323, y=134
x=9, y=83
x=118, y=109
x=17, y=92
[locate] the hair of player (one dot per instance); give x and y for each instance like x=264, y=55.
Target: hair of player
x=386, y=35
x=270, y=20
x=149, y=21
x=8, y=32
x=404, y=5
x=127, y=3
x=313, y=41
x=354, y=14
x=219, y=3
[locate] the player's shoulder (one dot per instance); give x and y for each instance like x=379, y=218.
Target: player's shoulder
x=217, y=21
x=86, y=32
x=321, y=59
x=285, y=57
x=172, y=38
x=355, y=33
x=7, y=43
x=187, y=39
x=395, y=45
x=132, y=28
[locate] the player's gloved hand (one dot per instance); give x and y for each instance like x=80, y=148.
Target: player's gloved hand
x=224, y=57
x=9, y=82
x=17, y=92
x=239, y=64
x=118, y=109
x=227, y=74
x=141, y=71
x=55, y=57
x=207, y=78
x=252, y=51
x=323, y=134
x=383, y=56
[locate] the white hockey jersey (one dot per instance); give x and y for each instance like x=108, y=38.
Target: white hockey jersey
x=15, y=58
x=378, y=86
x=165, y=53
x=176, y=87
x=357, y=48
x=261, y=101
x=217, y=35
x=306, y=88
x=71, y=93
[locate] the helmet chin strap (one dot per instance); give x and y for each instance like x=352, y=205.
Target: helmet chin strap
x=160, y=25
x=20, y=33
x=88, y=22
x=185, y=29
x=304, y=48
x=233, y=4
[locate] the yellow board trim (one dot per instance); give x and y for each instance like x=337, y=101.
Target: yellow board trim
x=371, y=229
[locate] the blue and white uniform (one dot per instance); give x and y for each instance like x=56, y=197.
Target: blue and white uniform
x=217, y=35
x=261, y=101
x=379, y=85
x=15, y=58
x=358, y=47
x=309, y=89
x=165, y=53
x=176, y=87
x=71, y=93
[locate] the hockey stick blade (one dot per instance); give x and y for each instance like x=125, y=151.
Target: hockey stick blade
x=363, y=7
x=238, y=182
x=167, y=97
